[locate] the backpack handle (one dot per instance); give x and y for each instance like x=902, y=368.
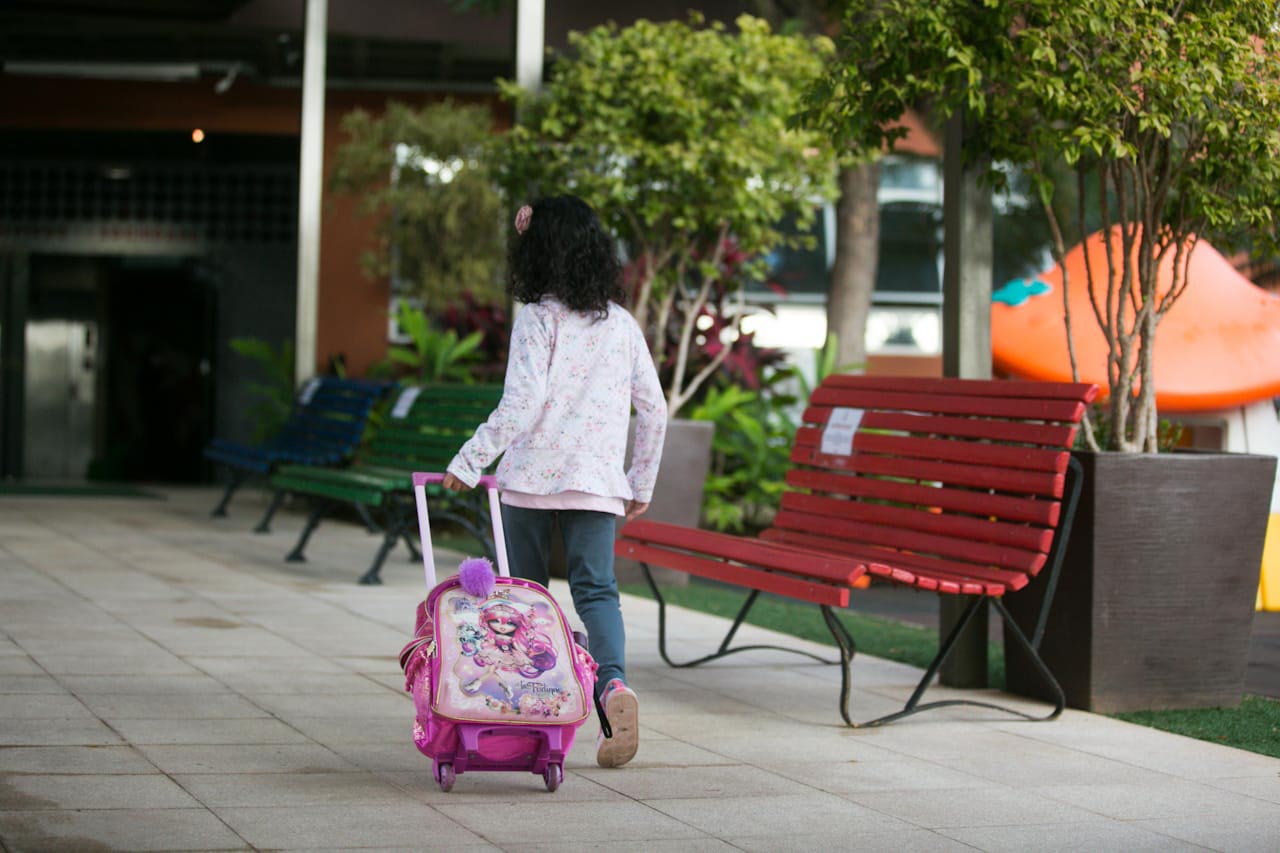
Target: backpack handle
x=490, y=483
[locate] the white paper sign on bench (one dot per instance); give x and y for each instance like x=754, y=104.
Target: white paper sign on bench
x=308, y=391
x=405, y=402
x=837, y=435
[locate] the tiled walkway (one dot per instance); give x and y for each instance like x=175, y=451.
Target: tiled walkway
x=167, y=682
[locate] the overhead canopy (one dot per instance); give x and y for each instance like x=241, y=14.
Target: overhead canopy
x=1217, y=348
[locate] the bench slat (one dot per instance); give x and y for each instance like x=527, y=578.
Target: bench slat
x=1019, y=432
x=928, y=543
x=1075, y=391
x=824, y=567
x=952, y=450
x=913, y=518
x=948, y=473
x=924, y=572
x=815, y=591
x=944, y=404
x=1035, y=511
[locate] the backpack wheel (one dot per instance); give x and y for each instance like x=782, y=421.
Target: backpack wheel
x=445, y=776
x=553, y=775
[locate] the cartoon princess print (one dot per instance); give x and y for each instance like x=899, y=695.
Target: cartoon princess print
x=506, y=641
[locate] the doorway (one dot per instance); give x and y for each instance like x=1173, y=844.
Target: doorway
x=118, y=369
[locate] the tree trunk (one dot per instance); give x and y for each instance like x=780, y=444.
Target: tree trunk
x=853, y=276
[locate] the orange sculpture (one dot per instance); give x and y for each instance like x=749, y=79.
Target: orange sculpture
x=1217, y=348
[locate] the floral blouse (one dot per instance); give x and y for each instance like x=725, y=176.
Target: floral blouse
x=571, y=382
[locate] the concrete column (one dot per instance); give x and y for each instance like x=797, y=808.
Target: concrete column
x=966, y=352
x=530, y=42
x=310, y=187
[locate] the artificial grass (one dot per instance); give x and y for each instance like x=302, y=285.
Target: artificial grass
x=1254, y=726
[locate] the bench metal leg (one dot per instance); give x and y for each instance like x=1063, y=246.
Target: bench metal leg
x=369, y=523
x=373, y=575
x=321, y=509
x=264, y=526
x=733, y=629
x=400, y=525
x=396, y=526
x=237, y=478
x=414, y=554
x=1071, y=499
x=913, y=705
x=847, y=650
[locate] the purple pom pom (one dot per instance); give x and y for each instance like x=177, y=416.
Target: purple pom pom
x=476, y=574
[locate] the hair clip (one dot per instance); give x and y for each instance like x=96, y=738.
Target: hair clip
x=523, y=215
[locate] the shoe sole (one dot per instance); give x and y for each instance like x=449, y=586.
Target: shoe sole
x=623, y=711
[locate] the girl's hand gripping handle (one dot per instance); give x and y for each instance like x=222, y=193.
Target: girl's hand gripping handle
x=490, y=483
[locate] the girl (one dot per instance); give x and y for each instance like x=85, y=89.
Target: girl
x=578, y=363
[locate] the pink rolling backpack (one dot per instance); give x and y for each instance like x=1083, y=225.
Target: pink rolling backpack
x=498, y=679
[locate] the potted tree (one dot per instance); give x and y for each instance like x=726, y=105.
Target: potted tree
x=677, y=133
x=1164, y=118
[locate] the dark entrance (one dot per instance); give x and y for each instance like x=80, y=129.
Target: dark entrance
x=128, y=262
x=159, y=357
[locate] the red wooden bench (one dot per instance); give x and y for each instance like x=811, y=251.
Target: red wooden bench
x=956, y=486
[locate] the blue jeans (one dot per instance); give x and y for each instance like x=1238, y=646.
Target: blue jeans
x=588, y=545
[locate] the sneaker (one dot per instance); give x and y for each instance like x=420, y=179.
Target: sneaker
x=622, y=710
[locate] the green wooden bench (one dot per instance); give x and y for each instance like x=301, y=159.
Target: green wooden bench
x=422, y=431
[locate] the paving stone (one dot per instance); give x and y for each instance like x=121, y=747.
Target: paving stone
x=406, y=823
x=951, y=807
x=621, y=845
x=117, y=829
x=1095, y=836
x=218, y=790
x=86, y=731
x=31, y=791
x=258, y=730
x=114, y=707
x=382, y=704
x=44, y=684
x=142, y=685
x=246, y=758
x=19, y=665
x=694, y=782
x=482, y=787
x=1265, y=788
x=790, y=814
x=506, y=823
x=73, y=759
x=896, y=840
x=1166, y=798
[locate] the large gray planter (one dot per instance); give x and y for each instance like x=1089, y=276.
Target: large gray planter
x=677, y=497
x=1157, y=592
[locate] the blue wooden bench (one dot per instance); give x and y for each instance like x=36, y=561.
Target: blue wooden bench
x=324, y=428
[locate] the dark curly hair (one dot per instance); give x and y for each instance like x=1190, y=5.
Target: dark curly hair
x=565, y=253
